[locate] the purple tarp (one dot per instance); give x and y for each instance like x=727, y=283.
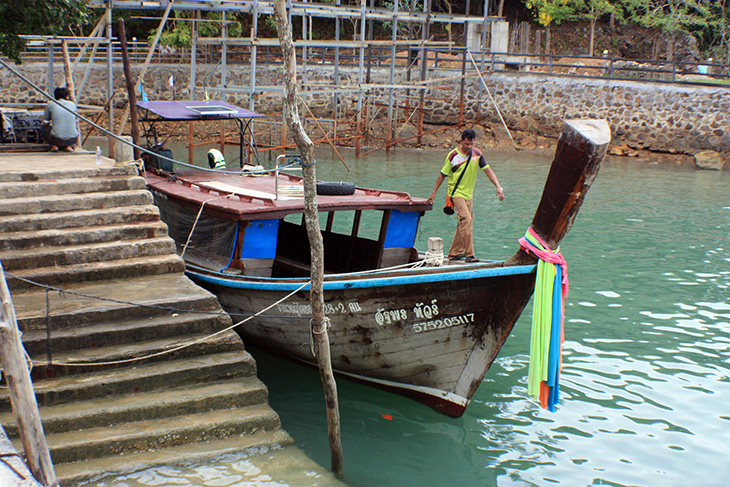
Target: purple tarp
x=190, y=110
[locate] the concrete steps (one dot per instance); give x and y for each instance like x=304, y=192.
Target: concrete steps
x=90, y=470
x=90, y=338
x=94, y=271
x=102, y=233
x=85, y=253
x=97, y=184
x=142, y=297
x=78, y=220
x=89, y=201
x=178, y=430
x=95, y=413
x=133, y=363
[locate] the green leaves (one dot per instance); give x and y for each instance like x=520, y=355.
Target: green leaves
x=671, y=15
x=37, y=17
x=179, y=31
x=551, y=11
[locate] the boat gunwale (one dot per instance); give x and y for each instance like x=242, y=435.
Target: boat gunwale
x=363, y=280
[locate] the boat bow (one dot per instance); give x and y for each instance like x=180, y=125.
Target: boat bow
x=578, y=156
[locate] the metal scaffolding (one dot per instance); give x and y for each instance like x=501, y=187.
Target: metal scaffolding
x=395, y=96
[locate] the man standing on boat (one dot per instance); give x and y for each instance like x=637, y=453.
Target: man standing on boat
x=461, y=167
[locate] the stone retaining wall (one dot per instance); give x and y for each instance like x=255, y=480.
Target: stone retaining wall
x=662, y=117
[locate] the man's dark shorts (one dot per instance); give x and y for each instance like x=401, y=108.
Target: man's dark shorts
x=60, y=143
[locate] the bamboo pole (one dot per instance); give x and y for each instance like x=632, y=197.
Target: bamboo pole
x=493, y=102
x=122, y=31
x=151, y=51
x=424, y=67
x=69, y=79
x=282, y=148
x=98, y=117
x=94, y=33
x=22, y=396
x=324, y=133
x=319, y=323
x=191, y=142
x=67, y=72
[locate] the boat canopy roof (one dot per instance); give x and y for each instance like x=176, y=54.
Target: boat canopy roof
x=247, y=197
x=194, y=110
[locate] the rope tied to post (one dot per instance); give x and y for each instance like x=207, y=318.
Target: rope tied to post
x=548, y=316
x=326, y=325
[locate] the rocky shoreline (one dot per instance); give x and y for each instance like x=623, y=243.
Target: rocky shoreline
x=496, y=138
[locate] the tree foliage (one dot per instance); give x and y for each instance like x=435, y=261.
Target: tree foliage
x=592, y=10
x=548, y=12
x=178, y=31
x=718, y=33
x=36, y=17
x=672, y=17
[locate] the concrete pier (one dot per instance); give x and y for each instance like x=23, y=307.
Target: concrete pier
x=101, y=299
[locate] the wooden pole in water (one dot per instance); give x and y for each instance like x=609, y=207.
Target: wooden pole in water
x=319, y=321
x=122, y=32
x=22, y=396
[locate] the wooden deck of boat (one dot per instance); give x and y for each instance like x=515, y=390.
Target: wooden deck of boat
x=257, y=194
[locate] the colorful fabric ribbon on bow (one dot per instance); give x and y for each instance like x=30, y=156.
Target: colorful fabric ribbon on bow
x=546, y=341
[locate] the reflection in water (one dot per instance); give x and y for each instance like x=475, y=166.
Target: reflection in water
x=646, y=369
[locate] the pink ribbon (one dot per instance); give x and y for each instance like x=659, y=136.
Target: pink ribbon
x=547, y=255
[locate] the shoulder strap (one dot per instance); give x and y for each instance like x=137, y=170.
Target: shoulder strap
x=463, y=171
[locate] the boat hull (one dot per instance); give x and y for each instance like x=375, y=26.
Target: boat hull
x=424, y=334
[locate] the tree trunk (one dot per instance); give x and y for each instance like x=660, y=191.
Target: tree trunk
x=22, y=395
x=306, y=149
x=547, y=39
x=133, y=116
x=500, y=9
x=449, y=25
x=670, y=46
x=593, y=37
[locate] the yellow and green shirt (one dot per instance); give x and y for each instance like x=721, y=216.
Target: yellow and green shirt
x=455, y=164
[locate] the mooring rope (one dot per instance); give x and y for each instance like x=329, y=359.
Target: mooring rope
x=326, y=325
x=195, y=223
x=10, y=465
x=184, y=345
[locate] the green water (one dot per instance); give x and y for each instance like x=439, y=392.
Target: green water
x=646, y=367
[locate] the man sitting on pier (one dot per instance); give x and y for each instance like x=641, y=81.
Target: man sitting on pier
x=59, y=125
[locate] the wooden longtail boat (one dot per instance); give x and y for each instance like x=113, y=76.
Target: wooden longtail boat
x=398, y=321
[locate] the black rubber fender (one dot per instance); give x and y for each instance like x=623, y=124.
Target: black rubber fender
x=335, y=188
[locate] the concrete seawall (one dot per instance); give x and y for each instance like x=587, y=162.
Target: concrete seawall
x=663, y=117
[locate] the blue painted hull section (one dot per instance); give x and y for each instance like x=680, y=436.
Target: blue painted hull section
x=361, y=282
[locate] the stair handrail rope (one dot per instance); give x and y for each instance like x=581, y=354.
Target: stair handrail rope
x=171, y=309
x=119, y=138
x=195, y=223
x=184, y=345
x=49, y=342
